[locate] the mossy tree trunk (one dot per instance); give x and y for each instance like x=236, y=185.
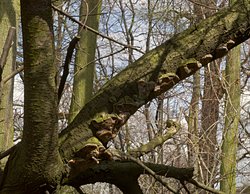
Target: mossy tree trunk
x=156, y=72
x=36, y=161
x=232, y=118
x=85, y=57
x=35, y=165
x=9, y=14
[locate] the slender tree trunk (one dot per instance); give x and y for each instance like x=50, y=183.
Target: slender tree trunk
x=85, y=56
x=209, y=111
x=209, y=116
x=9, y=14
x=232, y=117
x=193, y=125
x=193, y=117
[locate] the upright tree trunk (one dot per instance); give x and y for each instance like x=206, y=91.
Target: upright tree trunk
x=232, y=117
x=193, y=117
x=209, y=115
x=209, y=122
x=204, y=141
x=193, y=125
x=9, y=13
x=36, y=157
x=85, y=56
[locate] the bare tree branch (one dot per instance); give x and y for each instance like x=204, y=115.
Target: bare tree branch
x=79, y=190
x=151, y=172
x=129, y=169
x=6, y=48
x=94, y=31
x=202, y=186
x=7, y=152
x=172, y=129
x=69, y=54
x=16, y=71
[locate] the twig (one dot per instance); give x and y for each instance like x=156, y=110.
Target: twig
x=69, y=54
x=185, y=187
x=16, y=71
x=93, y=30
x=7, y=152
x=111, y=54
x=202, y=186
x=158, y=178
x=6, y=48
x=204, y=5
x=79, y=190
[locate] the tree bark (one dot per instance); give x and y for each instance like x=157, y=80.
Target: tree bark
x=127, y=169
x=35, y=165
x=156, y=72
x=209, y=122
x=9, y=14
x=85, y=57
x=232, y=118
x=193, y=126
x=36, y=160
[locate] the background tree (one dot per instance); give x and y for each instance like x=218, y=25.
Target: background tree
x=9, y=16
x=85, y=57
x=232, y=118
x=212, y=93
x=43, y=161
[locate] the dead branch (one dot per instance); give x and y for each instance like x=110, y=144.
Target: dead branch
x=152, y=173
x=172, y=129
x=16, y=71
x=7, y=152
x=68, y=58
x=207, y=188
x=129, y=169
x=7, y=45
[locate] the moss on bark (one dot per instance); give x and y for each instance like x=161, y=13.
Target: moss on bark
x=36, y=161
x=85, y=57
x=9, y=14
x=141, y=81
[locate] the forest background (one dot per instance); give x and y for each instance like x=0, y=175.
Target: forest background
x=150, y=85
